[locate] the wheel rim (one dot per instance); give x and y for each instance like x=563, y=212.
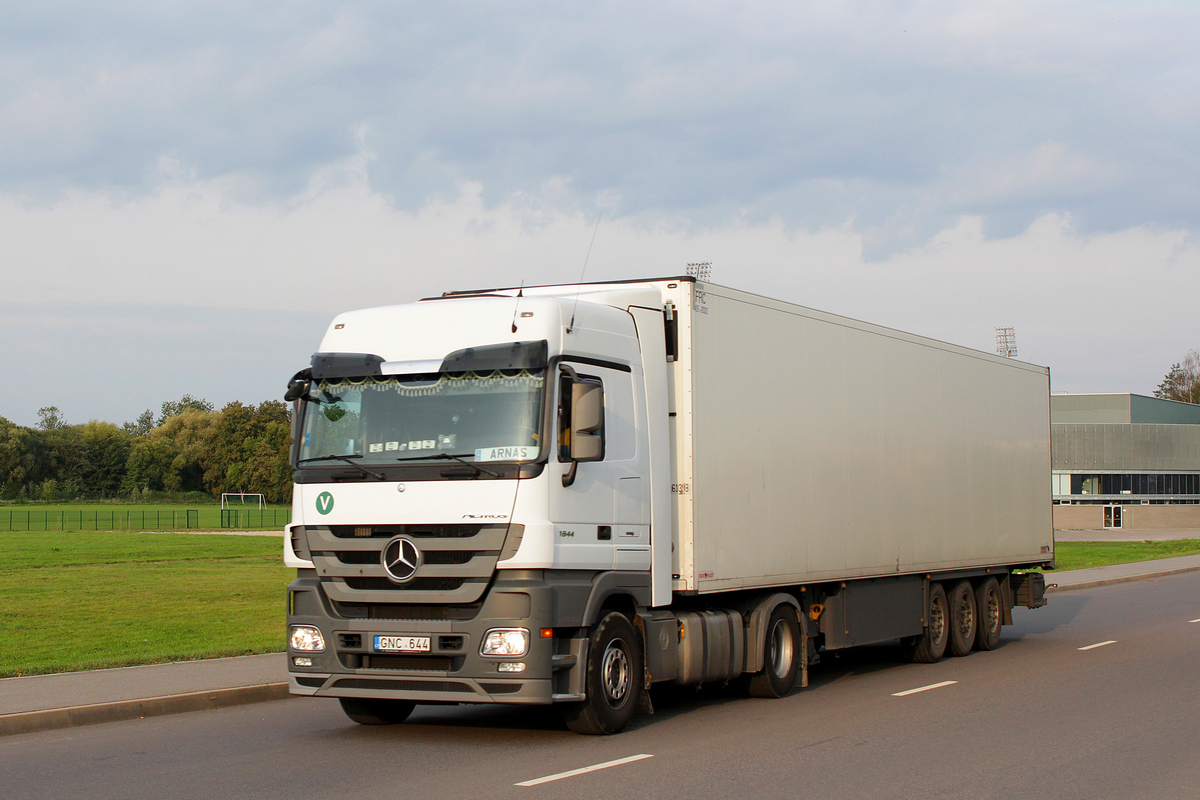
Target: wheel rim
x=614, y=672
x=966, y=617
x=780, y=649
x=992, y=612
x=937, y=620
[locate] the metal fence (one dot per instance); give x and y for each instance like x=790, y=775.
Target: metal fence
x=32, y=519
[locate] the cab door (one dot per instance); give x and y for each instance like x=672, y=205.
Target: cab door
x=598, y=506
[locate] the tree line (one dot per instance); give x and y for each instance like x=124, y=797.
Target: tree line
x=1183, y=381
x=189, y=448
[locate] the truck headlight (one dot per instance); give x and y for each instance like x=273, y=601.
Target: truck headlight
x=306, y=639
x=509, y=642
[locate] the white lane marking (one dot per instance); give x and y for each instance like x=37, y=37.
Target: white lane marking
x=1194, y=620
x=1097, y=644
x=558, y=776
x=924, y=688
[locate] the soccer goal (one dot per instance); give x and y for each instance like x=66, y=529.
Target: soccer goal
x=227, y=499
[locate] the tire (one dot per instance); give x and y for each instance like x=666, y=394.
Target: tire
x=615, y=673
x=376, y=711
x=989, y=607
x=781, y=655
x=928, y=647
x=962, y=618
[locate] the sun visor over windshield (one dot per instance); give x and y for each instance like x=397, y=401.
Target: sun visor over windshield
x=511, y=355
x=345, y=365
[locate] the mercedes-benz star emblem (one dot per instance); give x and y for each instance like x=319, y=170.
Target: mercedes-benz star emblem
x=400, y=559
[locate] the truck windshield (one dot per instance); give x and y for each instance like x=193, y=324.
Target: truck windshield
x=387, y=419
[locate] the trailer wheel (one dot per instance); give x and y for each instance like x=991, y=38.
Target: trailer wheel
x=781, y=655
x=375, y=710
x=989, y=608
x=928, y=647
x=614, y=679
x=962, y=618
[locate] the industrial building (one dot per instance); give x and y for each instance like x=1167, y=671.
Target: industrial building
x=1124, y=461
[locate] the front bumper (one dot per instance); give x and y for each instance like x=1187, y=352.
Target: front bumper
x=453, y=671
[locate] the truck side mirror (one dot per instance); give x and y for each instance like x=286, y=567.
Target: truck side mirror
x=298, y=386
x=587, y=422
x=583, y=421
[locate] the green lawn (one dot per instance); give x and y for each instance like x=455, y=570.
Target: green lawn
x=87, y=600
x=140, y=517
x=72, y=601
x=1080, y=555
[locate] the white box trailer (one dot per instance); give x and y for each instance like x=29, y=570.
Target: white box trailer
x=566, y=494
x=810, y=447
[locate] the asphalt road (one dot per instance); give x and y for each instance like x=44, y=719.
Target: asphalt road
x=1039, y=717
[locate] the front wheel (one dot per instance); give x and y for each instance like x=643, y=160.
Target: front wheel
x=376, y=711
x=614, y=679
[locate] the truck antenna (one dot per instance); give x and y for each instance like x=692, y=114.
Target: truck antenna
x=517, y=305
x=579, y=287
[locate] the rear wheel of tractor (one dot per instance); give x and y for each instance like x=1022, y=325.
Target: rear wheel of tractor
x=962, y=618
x=781, y=655
x=928, y=647
x=376, y=711
x=990, y=611
x=614, y=679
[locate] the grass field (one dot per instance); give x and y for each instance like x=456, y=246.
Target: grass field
x=87, y=600
x=1081, y=555
x=140, y=517
x=84, y=600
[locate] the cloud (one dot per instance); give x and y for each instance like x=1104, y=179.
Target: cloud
x=941, y=167
x=813, y=113
x=1107, y=311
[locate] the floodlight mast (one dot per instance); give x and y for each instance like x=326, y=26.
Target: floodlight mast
x=1006, y=341
x=700, y=270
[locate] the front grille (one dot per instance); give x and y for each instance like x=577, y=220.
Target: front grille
x=357, y=556
x=449, y=557
x=408, y=611
x=428, y=663
x=312, y=683
x=415, y=585
x=456, y=563
x=401, y=686
x=500, y=688
x=415, y=531
x=433, y=557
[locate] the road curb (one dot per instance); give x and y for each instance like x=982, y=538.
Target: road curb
x=55, y=718
x=1141, y=576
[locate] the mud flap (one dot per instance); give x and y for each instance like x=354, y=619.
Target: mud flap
x=803, y=623
x=644, y=706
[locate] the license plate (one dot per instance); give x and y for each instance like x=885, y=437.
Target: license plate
x=402, y=644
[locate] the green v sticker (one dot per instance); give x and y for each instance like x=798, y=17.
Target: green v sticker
x=324, y=503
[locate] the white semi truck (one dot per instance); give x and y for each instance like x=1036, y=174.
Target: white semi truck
x=567, y=494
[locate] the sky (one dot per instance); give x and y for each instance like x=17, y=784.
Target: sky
x=189, y=192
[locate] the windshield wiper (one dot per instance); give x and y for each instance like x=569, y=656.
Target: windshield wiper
x=448, y=457
x=379, y=476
